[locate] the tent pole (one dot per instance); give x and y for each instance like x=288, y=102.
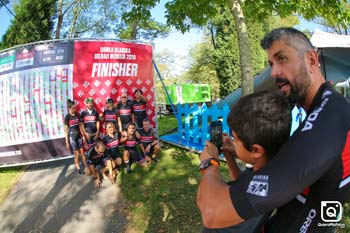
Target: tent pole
x=166, y=90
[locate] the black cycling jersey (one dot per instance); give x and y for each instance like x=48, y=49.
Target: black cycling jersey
x=94, y=158
x=139, y=108
x=316, y=156
x=147, y=137
x=125, y=111
x=89, y=120
x=72, y=121
x=131, y=143
x=112, y=144
x=110, y=115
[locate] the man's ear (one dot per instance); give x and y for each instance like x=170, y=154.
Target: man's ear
x=258, y=151
x=312, y=59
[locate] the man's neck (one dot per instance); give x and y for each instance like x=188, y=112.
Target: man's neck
x=314, y=87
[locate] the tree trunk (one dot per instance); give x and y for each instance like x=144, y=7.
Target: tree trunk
x=76, y=12
x=134, y=31
x=244, y=47
x=59, y=19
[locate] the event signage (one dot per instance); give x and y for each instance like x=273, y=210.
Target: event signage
x=37, y=80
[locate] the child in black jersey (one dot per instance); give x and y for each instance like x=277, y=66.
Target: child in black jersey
x=72, y=135
x=112, y=142
x=110, y=114
x=260, y=124
x=130, y=152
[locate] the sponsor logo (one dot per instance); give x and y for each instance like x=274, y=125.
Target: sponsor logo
x=313, y=116
x=308, y=220
x=259, y=185
x=326, y=93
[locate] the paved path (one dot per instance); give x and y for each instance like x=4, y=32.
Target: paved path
x=52, y=197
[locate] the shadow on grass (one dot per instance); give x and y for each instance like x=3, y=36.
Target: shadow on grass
x=162, y=197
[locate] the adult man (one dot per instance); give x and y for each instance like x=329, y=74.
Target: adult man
x=316, y=158
x=126, y=114
x=149, y=140
x=89, y=122
x=98, y=156
x=139, y=105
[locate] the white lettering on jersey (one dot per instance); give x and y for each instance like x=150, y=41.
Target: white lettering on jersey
x=309, y=218
x=313, y=116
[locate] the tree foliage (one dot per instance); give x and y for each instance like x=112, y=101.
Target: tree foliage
x=215, y=60
x=108, y=19
x=202, y=68
x=3, y=3
x=33, y=22
x=165, y=63
x=91, y=18
x=183, y=15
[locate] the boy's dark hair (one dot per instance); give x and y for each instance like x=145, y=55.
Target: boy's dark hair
x=130, y=123
x=261, y=118
x=138, y=90
x=70, y=103
x=146, y=120
x=290, y=36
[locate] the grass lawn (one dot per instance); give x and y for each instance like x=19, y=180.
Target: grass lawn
x=162, y=197
x=8, y=177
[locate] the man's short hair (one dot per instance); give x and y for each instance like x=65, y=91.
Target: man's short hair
x=99, y=144
x=290, y=36
x=89, y=100
x=262, y=118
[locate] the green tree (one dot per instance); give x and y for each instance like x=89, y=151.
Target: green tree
x=33, y=22
x=3, y=3
x=165, y=63
x=89, y=18
x=183, y=14
x=105, y=18
x=202, y=68
x=215, y=60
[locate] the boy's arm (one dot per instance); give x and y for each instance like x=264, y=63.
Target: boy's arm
x=213, y=196
x=230, y=154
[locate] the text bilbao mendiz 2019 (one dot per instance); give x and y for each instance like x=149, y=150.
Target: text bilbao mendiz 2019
x=36, y=80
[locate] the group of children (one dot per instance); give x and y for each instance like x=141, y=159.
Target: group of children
x=121, y=134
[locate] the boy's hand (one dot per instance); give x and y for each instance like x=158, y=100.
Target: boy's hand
x=227, y=145
x=209, y=151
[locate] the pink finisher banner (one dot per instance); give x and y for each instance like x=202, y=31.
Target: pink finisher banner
x=36, y=81
x=105, y=69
